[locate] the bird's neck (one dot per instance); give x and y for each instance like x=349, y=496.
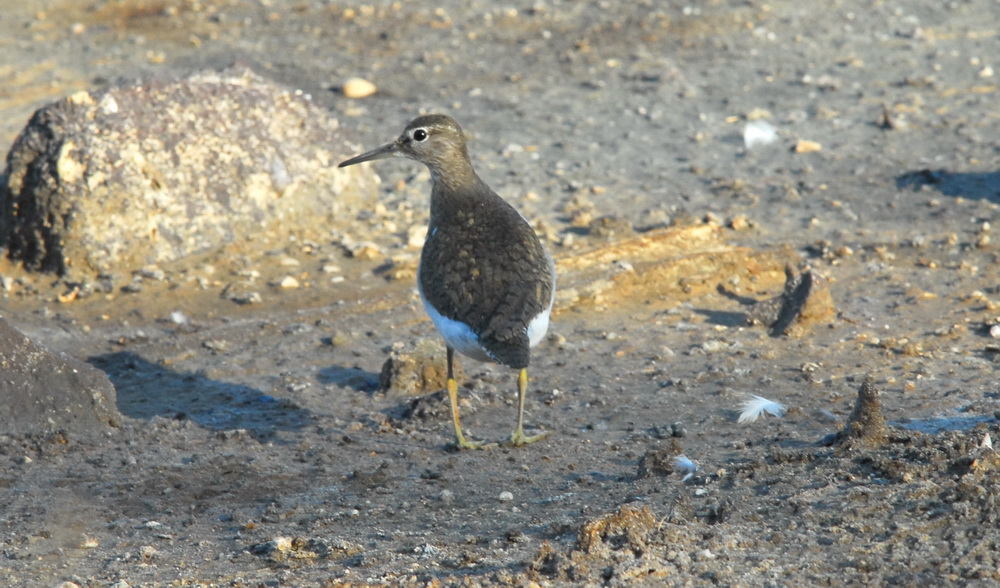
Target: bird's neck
x=456, y=191
x=454, y=176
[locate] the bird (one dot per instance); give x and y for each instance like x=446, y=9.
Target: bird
x=485, y=279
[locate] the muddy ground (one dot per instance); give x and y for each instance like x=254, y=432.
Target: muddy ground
x=258, y=449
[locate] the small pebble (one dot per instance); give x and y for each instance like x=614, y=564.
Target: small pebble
x=713, y=345
x=152, y=272
x=249, y=298
x=217, y=345
x=358, y=88
x=995, y=331
x=505, y=496
x=415, y=236
x=280, y=544
x=447, y=496
x=288, y=283
x=365, y=251
x=622, y=265
x=804, y=146
x=739, y=223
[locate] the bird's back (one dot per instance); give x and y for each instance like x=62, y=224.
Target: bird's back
x=496, y=278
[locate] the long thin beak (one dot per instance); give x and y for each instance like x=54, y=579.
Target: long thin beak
x=387, y=150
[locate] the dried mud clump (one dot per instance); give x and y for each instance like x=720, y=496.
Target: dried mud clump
x=282, y=550
x=414, y=370
x=982, y=460
x=677, y=262
x=614, y=543
x=867, y=425
x=659, y=462
x=43, y=391
x=626, y=527
x=804, y=302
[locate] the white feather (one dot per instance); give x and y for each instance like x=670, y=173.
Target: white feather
x=755, y=406
x=685, y=465
x=759, y=132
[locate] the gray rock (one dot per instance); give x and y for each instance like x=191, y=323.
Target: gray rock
x=43, y=391
x=155, y=171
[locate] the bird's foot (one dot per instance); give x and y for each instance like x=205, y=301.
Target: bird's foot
x=518, y=438
x=463, y=443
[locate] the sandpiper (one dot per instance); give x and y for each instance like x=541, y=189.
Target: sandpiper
x=485, y=279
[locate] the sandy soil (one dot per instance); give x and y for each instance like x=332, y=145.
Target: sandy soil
x=258, y=449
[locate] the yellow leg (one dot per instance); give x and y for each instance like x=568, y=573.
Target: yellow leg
x=460, y=440
x=518, y=438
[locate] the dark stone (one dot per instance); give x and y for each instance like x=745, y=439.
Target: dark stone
x=44, y=391
x=659, y=462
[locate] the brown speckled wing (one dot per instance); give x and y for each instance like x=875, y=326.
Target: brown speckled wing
x=483, y=265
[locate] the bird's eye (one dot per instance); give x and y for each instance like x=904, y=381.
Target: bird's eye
x=420, y=135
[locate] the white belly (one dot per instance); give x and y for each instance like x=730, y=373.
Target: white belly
x=456, y=334
x=462, y=339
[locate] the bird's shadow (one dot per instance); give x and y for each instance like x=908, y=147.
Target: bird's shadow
x=968, y=185
x=146, y=390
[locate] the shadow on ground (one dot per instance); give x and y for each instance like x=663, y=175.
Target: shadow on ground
x=354, y=378
x=969, y=185
x=724, y=318
x=146, y=390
